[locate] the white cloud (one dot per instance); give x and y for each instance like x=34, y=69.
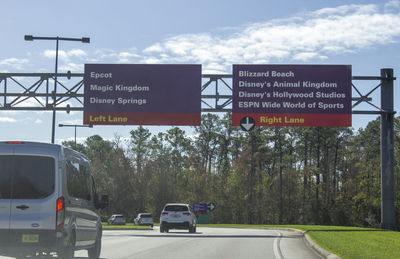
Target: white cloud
x=306, y=56
x=112, y=56
x=154, y=48
x=7, y=120
x=126, y=57
x=392, y=6
x=32, y=102
x=77, y=53
x=74, y=53
x=306, y=37
x=71, y=66
x=15, y=63
x=48, y=53
x=72, y=122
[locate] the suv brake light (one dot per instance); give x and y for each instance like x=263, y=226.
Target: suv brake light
x=60, y=212
x=164, y=213
x=186, y=213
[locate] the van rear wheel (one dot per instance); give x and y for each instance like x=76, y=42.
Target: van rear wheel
x=192, y=229
x=94, y=252
x=69, y=251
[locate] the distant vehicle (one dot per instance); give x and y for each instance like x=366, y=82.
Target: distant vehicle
x=48, y=201
x=177, y=216
x=144, y=219
x=116, y=219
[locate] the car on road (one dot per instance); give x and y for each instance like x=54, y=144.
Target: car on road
x=48, y=201
x=116, y=219
x=144, y=219
x=177, y=216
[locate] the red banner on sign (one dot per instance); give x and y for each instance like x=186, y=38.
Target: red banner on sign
x=132, y=118
x=296, y=119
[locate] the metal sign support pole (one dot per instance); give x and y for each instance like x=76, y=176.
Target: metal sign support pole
x=388, y=211
x=53, y=124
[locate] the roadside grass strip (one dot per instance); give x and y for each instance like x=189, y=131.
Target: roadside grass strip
x=352, y=242
x=346, y=242
x=127, y=226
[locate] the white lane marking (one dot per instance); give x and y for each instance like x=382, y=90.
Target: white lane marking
x=277, y=250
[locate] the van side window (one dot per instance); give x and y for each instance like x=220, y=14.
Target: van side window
x=78, y=180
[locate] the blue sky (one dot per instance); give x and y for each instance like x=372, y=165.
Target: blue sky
x=216, y=34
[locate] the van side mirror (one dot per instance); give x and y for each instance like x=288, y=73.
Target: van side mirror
x=103, y=203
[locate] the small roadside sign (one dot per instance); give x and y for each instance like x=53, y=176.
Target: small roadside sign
x=247, y=123
x=200, y=208
x=211, y=206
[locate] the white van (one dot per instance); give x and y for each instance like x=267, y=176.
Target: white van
x=48, y=201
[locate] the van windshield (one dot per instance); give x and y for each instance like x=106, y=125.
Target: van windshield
x=26, y=177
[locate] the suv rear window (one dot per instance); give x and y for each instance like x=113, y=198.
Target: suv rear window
x=176, y=208
x=26, y=177
x=146, y=216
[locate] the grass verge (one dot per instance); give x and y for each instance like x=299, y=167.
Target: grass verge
x=127, y=226
x=352, y=242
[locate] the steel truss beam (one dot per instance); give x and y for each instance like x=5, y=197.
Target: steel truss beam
x=216, y=92
x=16, y=93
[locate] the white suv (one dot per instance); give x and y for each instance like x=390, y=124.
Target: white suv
x=177, y=216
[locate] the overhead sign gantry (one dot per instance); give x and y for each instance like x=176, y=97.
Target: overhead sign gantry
x=37, y=95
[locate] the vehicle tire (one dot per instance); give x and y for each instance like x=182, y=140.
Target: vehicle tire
x=151, y=226
x=94, y=252
x=69, y=251
x=191, y=229
x=161, y=228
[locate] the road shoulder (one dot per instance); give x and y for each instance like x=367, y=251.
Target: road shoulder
x=309, y=242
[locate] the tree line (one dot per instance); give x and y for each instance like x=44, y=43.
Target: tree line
x=271, y=175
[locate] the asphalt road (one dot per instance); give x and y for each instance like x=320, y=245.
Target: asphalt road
x=206, y=243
